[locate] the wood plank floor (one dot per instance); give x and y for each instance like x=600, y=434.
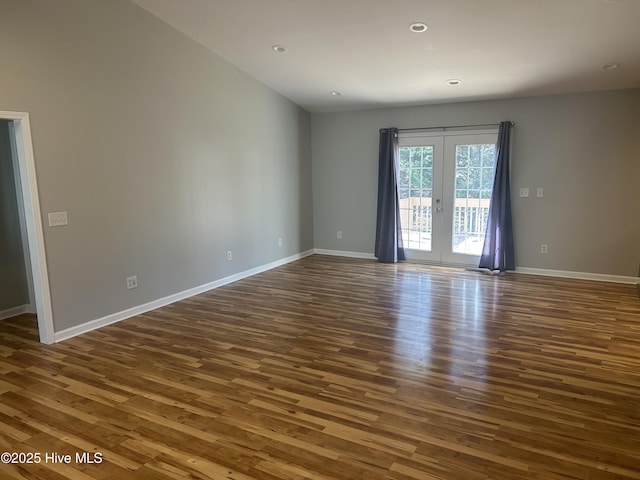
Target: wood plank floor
x=333, y=368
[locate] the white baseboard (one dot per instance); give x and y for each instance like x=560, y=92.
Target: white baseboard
x=599, y=277
x=15, y=311
x=161, y=302
x=339, y=253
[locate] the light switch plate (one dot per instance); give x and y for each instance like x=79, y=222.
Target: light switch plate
x=58, y=219
x=524, y=192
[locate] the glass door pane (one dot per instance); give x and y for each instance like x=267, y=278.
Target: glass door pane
x=420, y=192
x=474, y=181
x=416, y=196
x=468, y=184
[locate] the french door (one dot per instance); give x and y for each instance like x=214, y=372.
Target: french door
x=445, y=187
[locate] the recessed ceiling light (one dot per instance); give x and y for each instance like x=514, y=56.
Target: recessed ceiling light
x=418, y=27
x=610, y=66
x=453, y=82
x=335, y=93
x=279, y=48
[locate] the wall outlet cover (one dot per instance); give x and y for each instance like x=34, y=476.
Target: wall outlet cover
x=58, y=219
x=132, y=282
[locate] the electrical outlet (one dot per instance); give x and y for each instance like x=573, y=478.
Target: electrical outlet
x=339, y=234
x=229, y=255
x=524, y=192
x=279, y=242
x=539, y=192
x=544, y=248
x=132, y=282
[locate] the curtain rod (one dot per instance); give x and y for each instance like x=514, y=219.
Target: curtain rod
x=450, y=126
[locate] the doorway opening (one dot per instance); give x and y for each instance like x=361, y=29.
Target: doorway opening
x=29, y=203
x=445, y=185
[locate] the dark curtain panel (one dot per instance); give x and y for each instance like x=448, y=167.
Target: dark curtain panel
x=388, y=230
x=497, y=253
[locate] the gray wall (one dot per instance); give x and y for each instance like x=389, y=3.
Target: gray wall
x=13, y=277
x=164, y=155
x=583, y=149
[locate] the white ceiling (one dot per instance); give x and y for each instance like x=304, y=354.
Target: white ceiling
x=364, y=49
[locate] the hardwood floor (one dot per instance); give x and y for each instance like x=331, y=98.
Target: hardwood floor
x=333, y=368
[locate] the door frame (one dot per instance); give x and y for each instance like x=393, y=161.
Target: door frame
x=27, y=193
x=439, y=138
